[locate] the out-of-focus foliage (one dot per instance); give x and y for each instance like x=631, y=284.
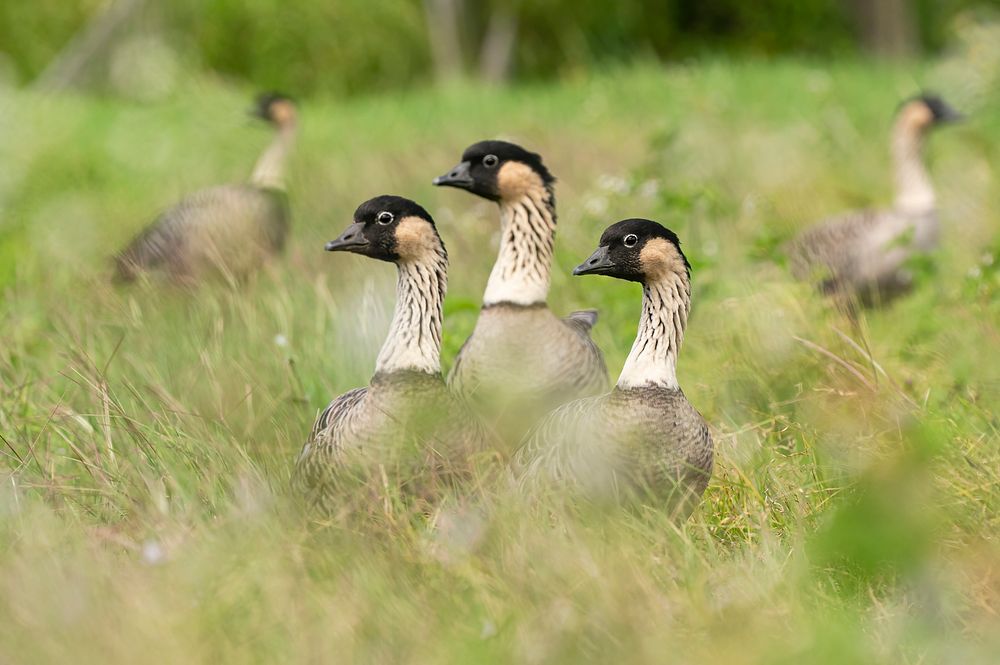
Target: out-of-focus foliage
x=147, y=434
x=354, y=46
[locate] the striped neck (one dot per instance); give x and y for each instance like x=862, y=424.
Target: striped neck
x=914, y=191
x=269, y=171
x=666, y=303
x=414, y=340
x=527, y=234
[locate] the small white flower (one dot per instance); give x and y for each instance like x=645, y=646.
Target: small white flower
x=975, y=272
x=649, y=189
x=489, y=630
x=613, y=183
x=152, y=552
x=596, y=205
x=281, y=340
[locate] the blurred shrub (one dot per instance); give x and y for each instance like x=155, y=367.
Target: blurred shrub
x=341, y=46
x=355, y=46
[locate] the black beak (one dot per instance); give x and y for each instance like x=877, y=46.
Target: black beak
x=598, y=264
x=350, y=240
x=457, y=177
x=949, y=115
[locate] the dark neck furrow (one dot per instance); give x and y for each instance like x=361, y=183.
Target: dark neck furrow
x=414, y=340
x=522, y=270
x=653, y=359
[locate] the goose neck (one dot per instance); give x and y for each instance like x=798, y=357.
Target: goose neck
x=414, y=339
x=914, y=191
x=652, y=361
x=269, y=171
x=521, y=274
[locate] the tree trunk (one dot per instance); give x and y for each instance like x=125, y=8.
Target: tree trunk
x=497, y=53
x=443, y=20
x=71, y=67
x=887, y=27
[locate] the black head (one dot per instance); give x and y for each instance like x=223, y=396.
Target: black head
x=929, y=109
x=497, y=170
x=389, y=228
x=636, y=250
x=274, y=107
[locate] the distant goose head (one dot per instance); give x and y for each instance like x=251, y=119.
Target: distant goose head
x=390, y=228
x=924, y=112
x=275, y=108
x=638, y=250
x=498, y=171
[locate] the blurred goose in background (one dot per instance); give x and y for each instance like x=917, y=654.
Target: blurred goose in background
x=863, y=254
x=521, y=359
x=406, y=419
x=643, y=439
x=230, y=229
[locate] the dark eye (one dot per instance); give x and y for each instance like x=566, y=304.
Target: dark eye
x=630, y=240
x=384, y=218
x=489, y=161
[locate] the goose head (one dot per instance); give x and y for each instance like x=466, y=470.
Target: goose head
x=924, y=112
x=275, y=108
x=390, y=228
x=637, y=250
x=498, y=171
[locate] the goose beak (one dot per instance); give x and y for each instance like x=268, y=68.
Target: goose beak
x=599, y=263
x=457, y=177
x=950, y=115
x=350, y=240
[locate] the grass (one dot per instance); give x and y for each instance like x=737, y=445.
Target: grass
x=148, y=434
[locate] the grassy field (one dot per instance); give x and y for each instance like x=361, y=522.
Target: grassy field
x=148, y=434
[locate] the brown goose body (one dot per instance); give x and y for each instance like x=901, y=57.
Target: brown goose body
x=525, y=359
x=865, y=254
x=230, y=230
x=406, y=422
x=647, y=443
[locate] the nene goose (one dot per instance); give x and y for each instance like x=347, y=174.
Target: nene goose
x=406, y=420
x=521, y=360
x=230, y=229
x=643, y=439
x=863, y=255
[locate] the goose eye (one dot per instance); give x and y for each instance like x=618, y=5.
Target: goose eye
x=384, y=218
x=630, y=240
x=489, y=161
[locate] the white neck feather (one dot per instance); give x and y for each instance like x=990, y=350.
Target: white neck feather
x=269, y=171
x=653, y=359
x=527, y=234
x=414, y=341
x=914, y=192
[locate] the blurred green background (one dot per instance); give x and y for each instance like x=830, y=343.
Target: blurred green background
x=147, y=434
x=365, y=46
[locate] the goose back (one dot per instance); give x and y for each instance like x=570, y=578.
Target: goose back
x=231, y=229
x=648, y=443
x=406, y=422
x=521, y=361
x=864, y=253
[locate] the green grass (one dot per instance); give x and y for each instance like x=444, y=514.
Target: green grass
x=148, y=434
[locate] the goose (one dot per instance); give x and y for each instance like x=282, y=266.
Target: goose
x=521, y=359
x=863, y=254
x=406, y=418
x=229, y=229
x=643, y=439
